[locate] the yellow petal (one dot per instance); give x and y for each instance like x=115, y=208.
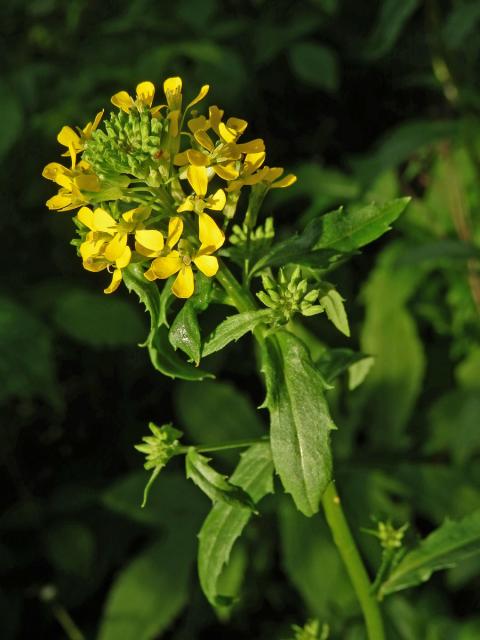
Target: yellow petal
x=88, y=182
x=52, y=169
x=103, y=221
x=204, y=140
x=173, y=92
x=68, y=136
x=150, y=239
x=165, y=266
x=123, y=101
x=284, y=182
x=139, y=214
x=116, y=247
x=272, y=173
x=180, y=159
x=226, y=171
x=187, y=205
x=183, y=286
x=198, y=123
x=59, y=201
x=217, y=201
x=63, y=180
x=201, y=95
x=215, y=116
x=253, y=161
x=174, y=117
x=197, y=158
x=207, y=264
x=254, y=146
x=227, y=134
x=175, y=229
x=150, y=275
x=146, y=93
x=97, y=120
x=115, y=283
x=209, y=233
x=237, y=124
x=85, y=215
x=124, y=259
x=198, y=179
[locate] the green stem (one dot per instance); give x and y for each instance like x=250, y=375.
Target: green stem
x=223, y=446
x=353, y=563
x=241, y=298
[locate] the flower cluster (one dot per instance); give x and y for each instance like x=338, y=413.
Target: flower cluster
x=157, y=184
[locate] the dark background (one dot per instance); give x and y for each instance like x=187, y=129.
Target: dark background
x=364, y=101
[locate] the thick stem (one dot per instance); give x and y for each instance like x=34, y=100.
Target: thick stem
x=353, y=563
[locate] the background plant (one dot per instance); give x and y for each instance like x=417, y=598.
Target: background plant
x=413, y=134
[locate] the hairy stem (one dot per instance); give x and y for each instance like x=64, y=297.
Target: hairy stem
x=353, y=563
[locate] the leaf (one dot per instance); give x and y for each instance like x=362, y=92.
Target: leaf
x=315, y=64
x=300, y=420
x=216, y=411
x=184, y=333
x=333, y=362
x=332, y=302
x=214, y=484
x=225, y=523
x=390, y=335
x=441, y=252
x=147, y=292
x=451, y=543
x=299, y=249
x=98, y=320
x=389, y=24
x=165, y=360
x=312, y=564
x=349, y=230
x=150, y=592
x=70, y=547
x=234, y=328
x=462, y=21
x=27, y=363
x=11, y=117
x=169, y=500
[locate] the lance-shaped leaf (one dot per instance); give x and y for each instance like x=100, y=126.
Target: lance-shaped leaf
x=349, y=230
x=165, y=360
x=332, y=302
x=233, y=328
x=225, y=523
x=214, y=484
x=452, y=542
x=146, y=291
x=300, y=420
x=184, y=333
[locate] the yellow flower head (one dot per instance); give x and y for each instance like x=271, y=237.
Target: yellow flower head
x=75, y=142
x=145, y=92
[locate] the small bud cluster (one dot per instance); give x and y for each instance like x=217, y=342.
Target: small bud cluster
x=159, y=447
x=261, y=235
x=390, y=538
x=289, y=294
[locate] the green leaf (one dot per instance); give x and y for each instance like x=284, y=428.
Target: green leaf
x=150, y=592
x=312, y=564
x=451, y=543
x=147, y=292
x=165, y=360
x=333, y=362
x=184, y=333
x=299, y=249
x=98, y=320
x=225, y=523
x=234, y=328
x=392, y=18
x=461, y=22
x=315, y=64
x=214, y=412
x=169, y=500
x=349, y=230
x=389, y=334
x=70, y=547
x=300, y=420
x=214, y=484
x=27, y=363
x=332, y=302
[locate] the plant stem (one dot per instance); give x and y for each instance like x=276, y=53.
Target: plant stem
x=353, y=563
x=241, y=298
x=223, y=446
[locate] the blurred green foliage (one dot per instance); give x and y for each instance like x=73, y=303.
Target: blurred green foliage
x=365, y=101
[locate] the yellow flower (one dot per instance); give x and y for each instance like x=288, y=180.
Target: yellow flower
x=106, y=244
x=222, y=156
x=75, y=142
x=208, y=231
x=73, y=183
x=172, y=88
x=149, y=242
x=145, y=92
x=180, y=261
x=269, y=176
